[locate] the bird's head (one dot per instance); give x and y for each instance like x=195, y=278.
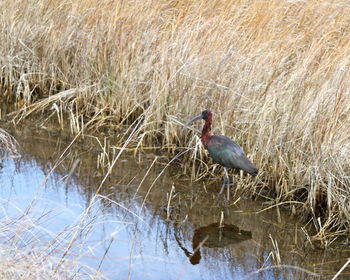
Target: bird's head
x=205, y=115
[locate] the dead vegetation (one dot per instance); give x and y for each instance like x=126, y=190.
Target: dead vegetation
x=30, y=250
x=8, y=144
x=274, y=73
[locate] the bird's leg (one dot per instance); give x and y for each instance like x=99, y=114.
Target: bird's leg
x=226, y=183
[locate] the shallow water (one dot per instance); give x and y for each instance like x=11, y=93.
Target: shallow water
x=133, y=231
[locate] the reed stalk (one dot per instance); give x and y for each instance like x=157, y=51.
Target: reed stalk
x=275, y=74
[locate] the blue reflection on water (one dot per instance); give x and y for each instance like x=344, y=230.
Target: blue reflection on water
x=141, y=246
x=135, y=248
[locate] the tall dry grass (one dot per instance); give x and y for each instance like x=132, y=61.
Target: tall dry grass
x=29, y=250
x=275, y=73
x=8, y=145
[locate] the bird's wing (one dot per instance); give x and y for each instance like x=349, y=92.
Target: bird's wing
x=228, y=153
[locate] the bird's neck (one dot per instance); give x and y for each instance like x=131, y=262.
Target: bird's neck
x=206, y=131
x=196, y=242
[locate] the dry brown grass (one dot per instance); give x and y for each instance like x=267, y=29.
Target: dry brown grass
x=29, y=250
x=8, y=144
x=275, y=73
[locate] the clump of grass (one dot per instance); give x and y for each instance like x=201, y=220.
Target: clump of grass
x=275, y=74
x=8, y=144
x=31, y=251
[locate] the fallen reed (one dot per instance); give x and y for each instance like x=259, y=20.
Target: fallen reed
x=275, y=74
x=30, y=250
x=8, y=144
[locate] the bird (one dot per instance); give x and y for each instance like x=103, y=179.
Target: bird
x=223, y=150
x=216, y=235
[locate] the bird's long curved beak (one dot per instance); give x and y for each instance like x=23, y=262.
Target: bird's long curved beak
x=199, y=117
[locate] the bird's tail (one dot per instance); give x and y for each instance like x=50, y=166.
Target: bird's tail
x=252, y=170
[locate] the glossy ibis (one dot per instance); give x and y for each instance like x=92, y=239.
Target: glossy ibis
x=223, y=150
x=215, y=235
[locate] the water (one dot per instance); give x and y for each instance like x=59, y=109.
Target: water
x=132, y=231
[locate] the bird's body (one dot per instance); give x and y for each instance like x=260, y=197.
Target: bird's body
x=222, y=149
x=229, y=154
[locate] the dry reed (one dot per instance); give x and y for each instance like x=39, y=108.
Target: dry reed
x=8, y=144
x=275, y=73
x=31, y=251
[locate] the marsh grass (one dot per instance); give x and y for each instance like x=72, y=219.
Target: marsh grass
x=8, y=144
x=274, y=73
x=29, y=250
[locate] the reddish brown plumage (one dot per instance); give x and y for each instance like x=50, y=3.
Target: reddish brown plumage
x=206, y=131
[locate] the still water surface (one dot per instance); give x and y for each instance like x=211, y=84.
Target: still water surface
x=131, y=231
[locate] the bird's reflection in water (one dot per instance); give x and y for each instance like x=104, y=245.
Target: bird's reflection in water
x=213, y=236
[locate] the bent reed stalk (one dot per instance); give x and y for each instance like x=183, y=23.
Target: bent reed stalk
x=276, y=74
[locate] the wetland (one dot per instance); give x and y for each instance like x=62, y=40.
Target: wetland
x=104, y=182
x=146, y=221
